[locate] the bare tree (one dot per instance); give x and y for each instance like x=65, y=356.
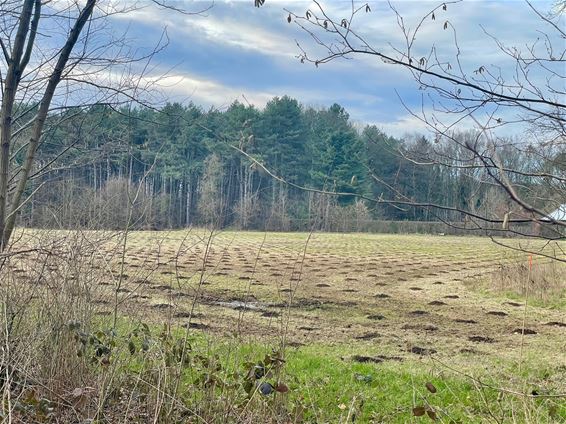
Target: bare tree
x=17, y=54
x=56, y=56
x=523, y=98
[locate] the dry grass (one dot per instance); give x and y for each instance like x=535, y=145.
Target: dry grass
x=544, y=282
x=43, y=291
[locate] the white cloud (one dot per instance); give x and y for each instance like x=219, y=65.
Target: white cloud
x=402, y=125
x=223, y=24
x=207, y=92
x=203, y=91
x=243, y=35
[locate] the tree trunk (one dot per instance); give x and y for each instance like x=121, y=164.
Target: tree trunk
x=41, y=117
x=16, y=65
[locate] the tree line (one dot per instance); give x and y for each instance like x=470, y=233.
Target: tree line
x=181, y=165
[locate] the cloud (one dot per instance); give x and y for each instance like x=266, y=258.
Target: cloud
x=236, y=50
x=235, y=24
x=206, y=92
x=242, y=35
x=402, y=126
x=184, y=87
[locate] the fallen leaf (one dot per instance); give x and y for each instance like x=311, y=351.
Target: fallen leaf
x=282, y=388
x=419, y=411
x=430, y=387
x=431, y=414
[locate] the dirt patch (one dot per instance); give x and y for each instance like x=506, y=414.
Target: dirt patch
x=437, y=303
x=420, y=327
x=465, y=321
x=375, y=359
x=366, y=359
x=423, y=351
x=368, y=336
x=481, y=339
x=418, y=312
x=197, y=326
x=162, y=306
x=556, y=324
x=238, y=305
x=526, y=331
x=498, y=313
x=376, y=317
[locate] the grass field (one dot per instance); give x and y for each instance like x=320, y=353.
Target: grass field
x=363, y=322
x=351, y=288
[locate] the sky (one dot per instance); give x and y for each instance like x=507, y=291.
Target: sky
x=235, y=51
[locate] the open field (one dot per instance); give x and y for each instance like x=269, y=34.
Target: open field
x=361, y=316
x=401, y=291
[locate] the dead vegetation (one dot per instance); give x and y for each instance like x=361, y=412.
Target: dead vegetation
x=543, y=281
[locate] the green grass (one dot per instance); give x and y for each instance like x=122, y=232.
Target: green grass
x=327, y=386
x=387, y=392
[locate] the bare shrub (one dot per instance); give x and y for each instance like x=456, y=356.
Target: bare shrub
x=47, y=289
